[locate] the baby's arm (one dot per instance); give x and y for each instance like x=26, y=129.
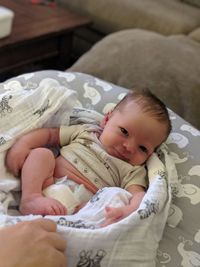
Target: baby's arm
x=116, y=214
x=20, y=150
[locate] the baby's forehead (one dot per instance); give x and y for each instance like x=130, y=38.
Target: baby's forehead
x=130, y=105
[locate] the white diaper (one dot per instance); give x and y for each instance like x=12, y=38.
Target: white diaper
x=69, y=193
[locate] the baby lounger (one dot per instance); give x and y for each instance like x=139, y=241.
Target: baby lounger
x=49, y=98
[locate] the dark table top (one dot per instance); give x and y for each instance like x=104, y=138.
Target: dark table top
x=35, y=21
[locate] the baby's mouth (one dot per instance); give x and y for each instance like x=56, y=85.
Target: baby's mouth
x=120, y=155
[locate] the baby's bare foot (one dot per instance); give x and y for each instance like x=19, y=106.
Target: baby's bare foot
x=39, y=205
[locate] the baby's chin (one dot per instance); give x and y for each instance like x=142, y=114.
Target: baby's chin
x=137, y=162
x=133, y=162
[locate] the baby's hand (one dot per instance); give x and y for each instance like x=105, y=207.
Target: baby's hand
x=115, y=214
x=16, y=156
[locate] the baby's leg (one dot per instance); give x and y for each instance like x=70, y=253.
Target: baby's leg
x=37, y=171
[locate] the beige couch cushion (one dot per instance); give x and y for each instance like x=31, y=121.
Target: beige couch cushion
x=195, y=34
x=192, y=2
x=163, y=16
x=169, y=66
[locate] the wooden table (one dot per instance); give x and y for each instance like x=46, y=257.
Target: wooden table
x=41, y=38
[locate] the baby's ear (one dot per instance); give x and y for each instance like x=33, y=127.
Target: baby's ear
x=105, y=119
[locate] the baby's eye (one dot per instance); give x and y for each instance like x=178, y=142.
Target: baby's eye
x=124, y=131
x=143, y=148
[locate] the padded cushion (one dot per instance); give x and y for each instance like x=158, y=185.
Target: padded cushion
x=193, y=2
x=163, y=16
x=179, y=245
x=169, y=66
x=195, y=34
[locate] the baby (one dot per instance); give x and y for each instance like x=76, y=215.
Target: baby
x=96, y=156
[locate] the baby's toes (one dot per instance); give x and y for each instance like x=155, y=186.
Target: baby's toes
x=61, y=209
x=58, y=209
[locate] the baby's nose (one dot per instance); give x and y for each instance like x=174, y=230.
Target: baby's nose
x=130, y=147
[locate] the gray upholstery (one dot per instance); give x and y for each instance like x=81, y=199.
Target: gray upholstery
x=169, y=66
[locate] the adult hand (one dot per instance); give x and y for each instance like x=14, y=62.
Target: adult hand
x=32, y=244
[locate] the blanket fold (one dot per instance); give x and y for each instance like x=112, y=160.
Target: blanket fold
x=22, y=110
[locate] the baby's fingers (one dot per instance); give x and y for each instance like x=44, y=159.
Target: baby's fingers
x=12, y=164
x=12, y=167
x=16, y=168
x=112, y=215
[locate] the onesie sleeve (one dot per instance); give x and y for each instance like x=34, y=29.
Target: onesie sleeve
x=68, y=133
x=135, y=177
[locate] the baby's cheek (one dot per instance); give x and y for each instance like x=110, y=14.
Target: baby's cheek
x=149, y=155
x=142, y=159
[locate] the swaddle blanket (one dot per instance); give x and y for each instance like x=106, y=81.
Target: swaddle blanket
x=132, y=241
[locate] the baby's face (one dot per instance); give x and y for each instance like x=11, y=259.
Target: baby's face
x=131, y=135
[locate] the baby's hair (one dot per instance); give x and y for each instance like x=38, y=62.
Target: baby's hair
x=150, y=104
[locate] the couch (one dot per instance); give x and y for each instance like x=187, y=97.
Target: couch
x=166, y=17
x=154, y=44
